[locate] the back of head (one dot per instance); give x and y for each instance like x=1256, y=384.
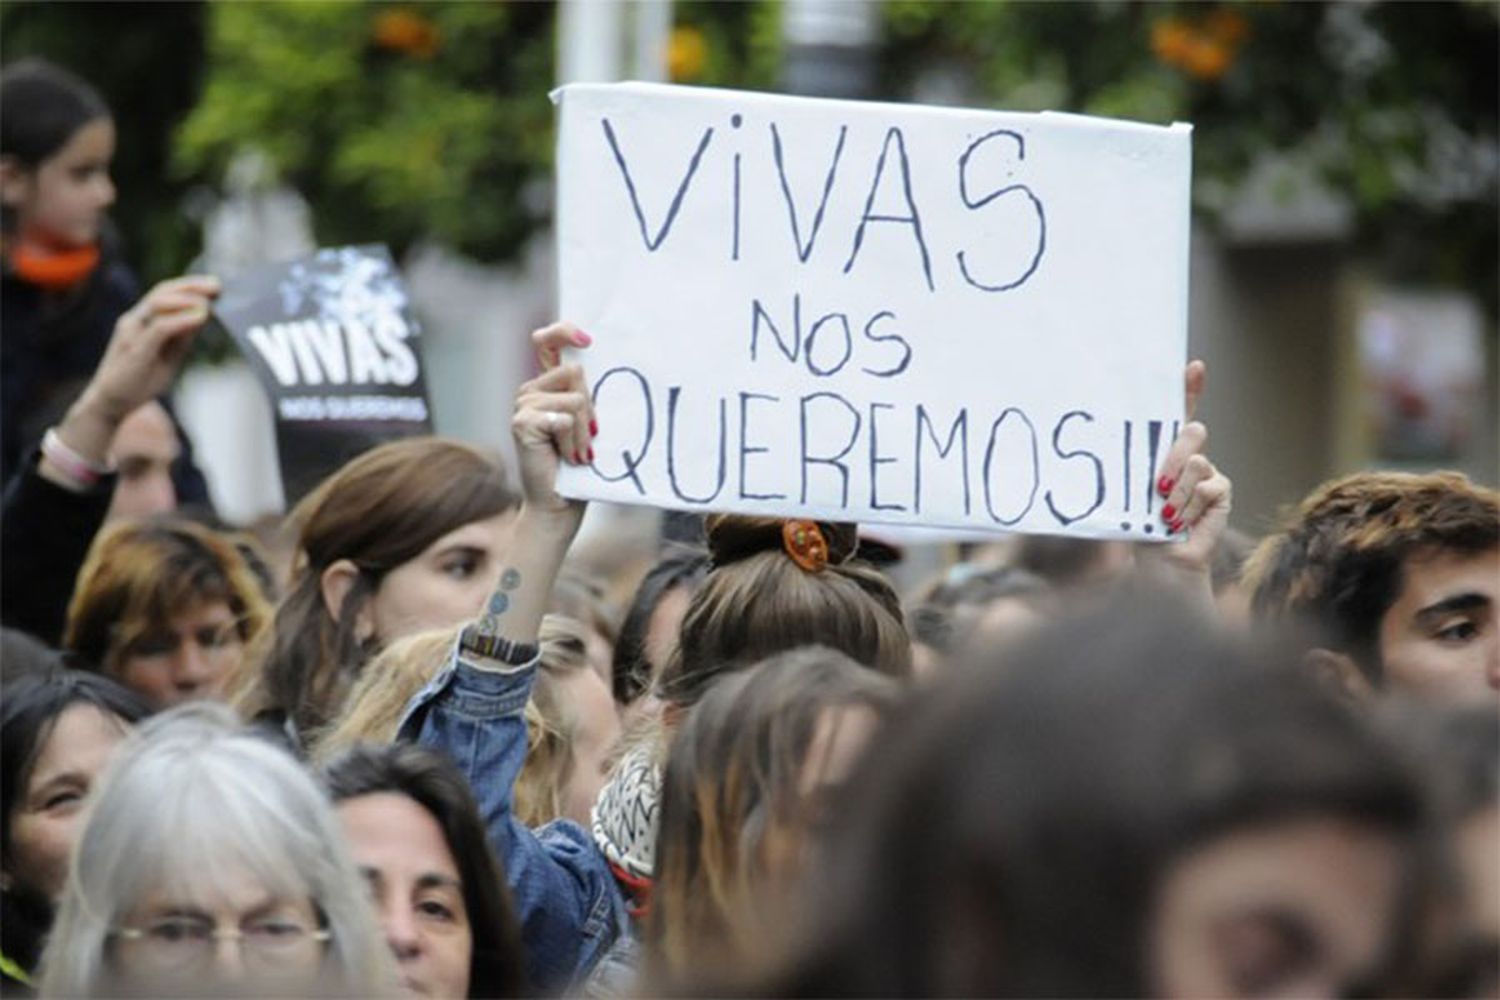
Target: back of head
x=139, y=575
x=776, y=585
x=733, y=801
x=41, y=106
x=382, y=509
x=434, y=783
x=1337, y=561
x=193, y=811
x=22, y=654
x=1007, y=836
x=950, y=608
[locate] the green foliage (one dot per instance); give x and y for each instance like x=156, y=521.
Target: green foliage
x=396, y=122
x=1382, y=99
x=742, y=40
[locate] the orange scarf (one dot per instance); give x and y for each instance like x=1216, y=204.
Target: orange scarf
x=53, y=270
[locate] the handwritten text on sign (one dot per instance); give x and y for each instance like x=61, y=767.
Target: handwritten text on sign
x=874, y=312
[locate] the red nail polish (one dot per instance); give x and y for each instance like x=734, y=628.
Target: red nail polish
x=576, y=459
x=1175, y=528
x=591, y=456
x=1164, y=485
x=593, y=427
x=1168, y=513
x=582, y=339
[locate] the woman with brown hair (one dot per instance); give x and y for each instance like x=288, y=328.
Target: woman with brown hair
x=774, y=586
x=168, y=608
x=750, y=773
x=404, y=538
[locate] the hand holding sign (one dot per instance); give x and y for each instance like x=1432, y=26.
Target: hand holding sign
x=144, y=355
x=150, y=341
x=553, y=421
x=1197, y=500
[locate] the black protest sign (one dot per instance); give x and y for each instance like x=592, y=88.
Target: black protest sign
x=332, y=338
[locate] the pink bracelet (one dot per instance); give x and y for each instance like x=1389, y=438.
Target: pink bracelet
x=71, y=464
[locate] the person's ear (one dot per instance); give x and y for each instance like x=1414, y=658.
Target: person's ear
x=1340, y=674
x=336, y=583
x=15, y=181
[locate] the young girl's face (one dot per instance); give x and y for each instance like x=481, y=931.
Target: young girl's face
x=62, y=202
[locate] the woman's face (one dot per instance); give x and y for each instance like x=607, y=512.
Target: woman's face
x=418, y=891
x=1302, y=908
x=236, y=934
x=446, y=584
x=45, y=817
x=62, y=201
x=191, y=658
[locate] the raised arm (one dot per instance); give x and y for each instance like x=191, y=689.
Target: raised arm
x=569, y=907
x=53, y=508
x=1196, y=502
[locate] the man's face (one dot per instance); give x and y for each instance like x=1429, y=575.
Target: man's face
x=1439, y=640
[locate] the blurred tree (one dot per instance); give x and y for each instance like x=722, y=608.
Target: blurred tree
x=717, y=44
x=146, y=59
x=1393, y=104
x=397, y=121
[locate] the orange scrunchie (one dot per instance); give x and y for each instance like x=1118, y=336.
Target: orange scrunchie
x=805, y=543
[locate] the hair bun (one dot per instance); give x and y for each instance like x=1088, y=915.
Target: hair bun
x=732, y=537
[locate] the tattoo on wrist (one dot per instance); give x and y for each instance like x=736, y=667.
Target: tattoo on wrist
x=482, y=636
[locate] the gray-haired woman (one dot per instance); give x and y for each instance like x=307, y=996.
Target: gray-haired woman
x=211, y=863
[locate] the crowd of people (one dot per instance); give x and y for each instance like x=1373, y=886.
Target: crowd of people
x=433, y=754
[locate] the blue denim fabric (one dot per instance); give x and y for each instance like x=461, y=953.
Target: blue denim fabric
x=570, y=908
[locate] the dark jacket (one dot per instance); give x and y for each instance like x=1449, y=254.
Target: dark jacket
x=50, y=344
x=45, y=533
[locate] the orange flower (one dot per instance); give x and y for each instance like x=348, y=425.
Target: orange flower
x=1170, y=40
x=1227, y=26
x=1206, y=59
x=402, y=30
x=1204, y=50
x=687, y=53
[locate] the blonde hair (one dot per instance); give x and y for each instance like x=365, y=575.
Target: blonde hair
x=141, y=574
x=372, y=713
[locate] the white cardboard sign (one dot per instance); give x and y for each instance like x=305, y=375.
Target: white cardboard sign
x=874, y=312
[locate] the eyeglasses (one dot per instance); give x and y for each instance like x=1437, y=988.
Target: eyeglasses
x=189, y=942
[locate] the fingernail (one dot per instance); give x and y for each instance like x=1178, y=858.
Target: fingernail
x=593, y=428
x=582, y=339
x=1168, y=513
x=591, y=456
x=1164, y=485
x=576, y=459
x=1175, y=527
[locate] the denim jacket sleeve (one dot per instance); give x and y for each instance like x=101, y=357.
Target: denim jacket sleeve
x=569, y=906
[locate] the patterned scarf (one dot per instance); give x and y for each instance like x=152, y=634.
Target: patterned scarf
x=626, y=812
